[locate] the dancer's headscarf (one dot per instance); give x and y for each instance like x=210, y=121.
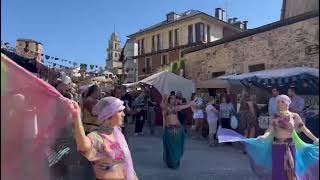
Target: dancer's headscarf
x=284, y=98
x=104, y=110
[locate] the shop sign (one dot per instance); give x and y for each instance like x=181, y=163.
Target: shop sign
x=312, y=49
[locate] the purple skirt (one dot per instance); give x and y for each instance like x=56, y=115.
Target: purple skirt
x=278, y=155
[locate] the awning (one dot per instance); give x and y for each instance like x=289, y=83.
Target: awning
x=306, y=80
x=213, y=83
x=102, y=79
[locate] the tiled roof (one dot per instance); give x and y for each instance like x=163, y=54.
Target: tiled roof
x=252, y=32
x=182, y=16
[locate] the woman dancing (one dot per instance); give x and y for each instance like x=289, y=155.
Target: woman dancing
x=106, y=147
x=174, y=134
x=280, y=153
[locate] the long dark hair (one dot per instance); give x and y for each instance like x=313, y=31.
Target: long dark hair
x=91, y=90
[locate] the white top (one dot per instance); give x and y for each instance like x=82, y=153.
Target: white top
x=211, y=115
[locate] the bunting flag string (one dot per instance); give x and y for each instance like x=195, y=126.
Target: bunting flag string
x=46, y=59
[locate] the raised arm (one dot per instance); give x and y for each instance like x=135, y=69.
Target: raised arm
x=181, y=107
x=164, y=101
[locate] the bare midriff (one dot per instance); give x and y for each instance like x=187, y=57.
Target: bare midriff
x=115, y=173
x=282, y=133
x=172, y=120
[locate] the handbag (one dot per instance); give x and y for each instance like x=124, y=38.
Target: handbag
x=234, y=122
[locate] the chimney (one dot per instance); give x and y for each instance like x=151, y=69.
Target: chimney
x=234, y=20
x=171, y=16
x=218, y=13
x=245, y=25
x=224, y=15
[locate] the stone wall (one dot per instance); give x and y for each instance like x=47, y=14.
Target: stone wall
x=292, y=45
x=29, y=49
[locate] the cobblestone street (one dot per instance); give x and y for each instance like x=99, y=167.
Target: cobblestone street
x=199, y=162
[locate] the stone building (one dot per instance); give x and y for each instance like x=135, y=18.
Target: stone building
x=29, y=49
x=129, y=64
x=113, y=55
x=291, y=42
x=161, y=44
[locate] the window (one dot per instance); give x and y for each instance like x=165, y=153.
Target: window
x=190, y=34
x=199, y=32
x=170, y=39
x=256, y=67
x=158, y=42
x=139, y=47
x=148, y=65
x=142, y=46
x=217, y=74
x=176, y=37
x=208, y=34
x=153, y=48
x=115, y=54
x=164, y=60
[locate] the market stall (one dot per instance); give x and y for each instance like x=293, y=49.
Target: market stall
x=162, y=83
x=304, y=79
x=165, y=82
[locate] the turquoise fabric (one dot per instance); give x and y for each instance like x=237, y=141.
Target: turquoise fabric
x=173, y=146
x=260, y=154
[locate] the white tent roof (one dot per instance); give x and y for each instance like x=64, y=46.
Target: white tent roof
x=106, y=72
x=165, y=82
x=274, y=73
x=102, y=79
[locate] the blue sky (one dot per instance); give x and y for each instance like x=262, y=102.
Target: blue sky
x=78, y=30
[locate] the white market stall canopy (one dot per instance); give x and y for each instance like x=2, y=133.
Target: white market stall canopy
x=165, y=82
x=305, y=79
x=102, y=79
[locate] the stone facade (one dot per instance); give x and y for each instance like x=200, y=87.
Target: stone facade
x=29, y=49
x=292, y=45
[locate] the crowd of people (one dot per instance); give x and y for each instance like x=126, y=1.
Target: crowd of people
x=97, y=140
